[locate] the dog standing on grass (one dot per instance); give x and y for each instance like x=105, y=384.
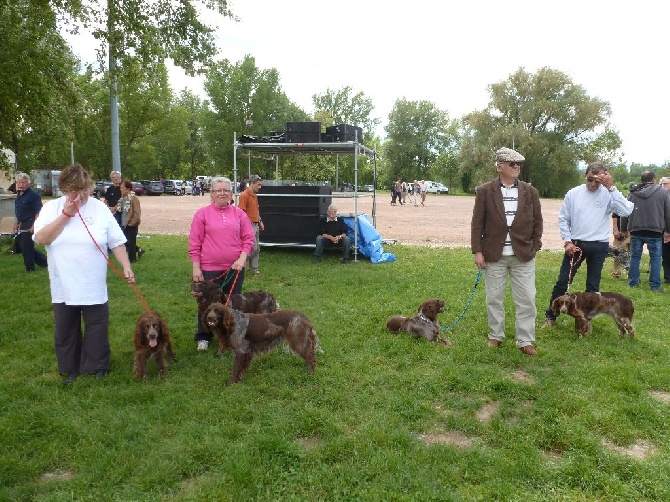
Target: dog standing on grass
x=151, y=339
x=250, y=334
x=585, y=307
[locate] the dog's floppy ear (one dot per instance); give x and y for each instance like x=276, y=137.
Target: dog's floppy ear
x=165, y=331
x=228, y=320
x=430, y=310
x=138, y=330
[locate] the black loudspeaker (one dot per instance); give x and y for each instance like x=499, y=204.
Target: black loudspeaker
x=345, y=132
x=303, y=132
x=289, y=217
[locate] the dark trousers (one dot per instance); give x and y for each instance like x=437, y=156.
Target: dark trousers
x=31, y=256
x=226, y=284
x=594, y=253
x=76, y=353
x=131, y=242
x=666, y=262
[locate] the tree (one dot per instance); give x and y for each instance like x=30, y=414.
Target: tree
x=342, y=108
x=550, y=120
x=147, y=31
x=38, y=94
x=244, y=99
x=417, y=134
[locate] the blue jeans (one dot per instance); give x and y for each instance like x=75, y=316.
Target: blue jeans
x=654, y=246
x=594, y=253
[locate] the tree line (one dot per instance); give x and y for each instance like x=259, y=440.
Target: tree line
x=53, y=110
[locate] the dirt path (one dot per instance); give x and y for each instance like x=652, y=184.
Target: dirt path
x=443, y=221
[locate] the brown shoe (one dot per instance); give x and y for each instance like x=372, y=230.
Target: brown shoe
x=548, y=323
x=529, y=350
x=493, y=343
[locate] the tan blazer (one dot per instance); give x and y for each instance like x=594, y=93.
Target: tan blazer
x=489, y=223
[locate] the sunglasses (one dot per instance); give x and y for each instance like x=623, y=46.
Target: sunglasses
x=513, y=164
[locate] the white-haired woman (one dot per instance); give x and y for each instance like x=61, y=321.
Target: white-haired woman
x=219, y=242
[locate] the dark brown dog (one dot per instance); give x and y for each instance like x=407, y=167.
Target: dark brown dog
x=587, y=306
x=423, y=324
x=152, y=339
x=250, y=334
x=253, y=302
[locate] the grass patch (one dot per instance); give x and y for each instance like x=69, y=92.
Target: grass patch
x=384, y=417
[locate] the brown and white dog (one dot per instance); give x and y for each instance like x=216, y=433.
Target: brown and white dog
x=250, y=334
x=152, y=339
x=587, y=306
x=423, y=324
x=252, y=302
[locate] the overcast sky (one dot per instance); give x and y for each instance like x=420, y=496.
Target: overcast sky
x=449, y=52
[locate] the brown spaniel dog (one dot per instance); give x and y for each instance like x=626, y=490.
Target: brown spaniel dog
x=423, y=324
x=252, y=302
x=152, y=339
x=250, y=334
x=587, y=306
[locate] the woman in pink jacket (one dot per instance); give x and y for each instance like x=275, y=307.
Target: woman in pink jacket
x=220, y=239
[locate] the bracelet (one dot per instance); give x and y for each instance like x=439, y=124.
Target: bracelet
x=67, y=214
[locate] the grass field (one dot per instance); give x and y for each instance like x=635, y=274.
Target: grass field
x=384, y=417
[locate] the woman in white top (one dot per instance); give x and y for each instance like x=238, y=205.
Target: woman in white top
x=78, y=272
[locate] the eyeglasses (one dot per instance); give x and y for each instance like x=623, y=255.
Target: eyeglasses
x=513, y=164
x=222, y=190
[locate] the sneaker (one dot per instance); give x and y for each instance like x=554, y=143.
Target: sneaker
x=203, y=344
x=548, y=323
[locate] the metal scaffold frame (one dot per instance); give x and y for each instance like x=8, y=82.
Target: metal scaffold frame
x=353, y=148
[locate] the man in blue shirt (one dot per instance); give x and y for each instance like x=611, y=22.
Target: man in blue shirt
x=27, y=206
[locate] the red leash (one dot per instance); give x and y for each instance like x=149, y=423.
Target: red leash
x=224, y=273
x=118, y=272
x=573, y=262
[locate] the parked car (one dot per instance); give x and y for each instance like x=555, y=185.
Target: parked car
x=138, y=188
x=100, y=188
x=145, y=184
x=172, y=187
x=435, y=187
x=155, y=188
x=368, y=188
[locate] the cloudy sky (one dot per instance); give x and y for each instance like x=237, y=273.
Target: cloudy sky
x=449, y=52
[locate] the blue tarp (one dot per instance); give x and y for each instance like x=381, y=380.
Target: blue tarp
x=369, y=240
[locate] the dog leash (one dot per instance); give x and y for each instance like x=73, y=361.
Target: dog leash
x=467, y=304
x=573, y=263
x=224, y=274
x=118, y=272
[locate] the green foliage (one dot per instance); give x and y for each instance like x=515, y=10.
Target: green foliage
x=418, y=135
x=548, y=118
x=340, y=107
x=384, y=417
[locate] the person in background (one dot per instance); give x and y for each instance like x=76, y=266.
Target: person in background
x=403, y=189
x=646, y=224
x=584, y=224
x=113, y=194
x=417, y=193
x=422, y=185
x=12, y=187
x=131, y=212
x=78, y=292
x=220, y=239
x=27, y=207
x=248, y=202
x=621, y=241
x=665, y=256
x=332, y=233
x=506, y=234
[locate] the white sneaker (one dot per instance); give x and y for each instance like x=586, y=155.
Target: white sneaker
x=203, y=344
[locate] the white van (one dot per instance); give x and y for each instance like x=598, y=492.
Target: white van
x=435, y=187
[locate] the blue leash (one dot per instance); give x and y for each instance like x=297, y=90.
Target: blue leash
x=467, y=304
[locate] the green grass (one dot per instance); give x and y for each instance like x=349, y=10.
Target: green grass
x=359, y=427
